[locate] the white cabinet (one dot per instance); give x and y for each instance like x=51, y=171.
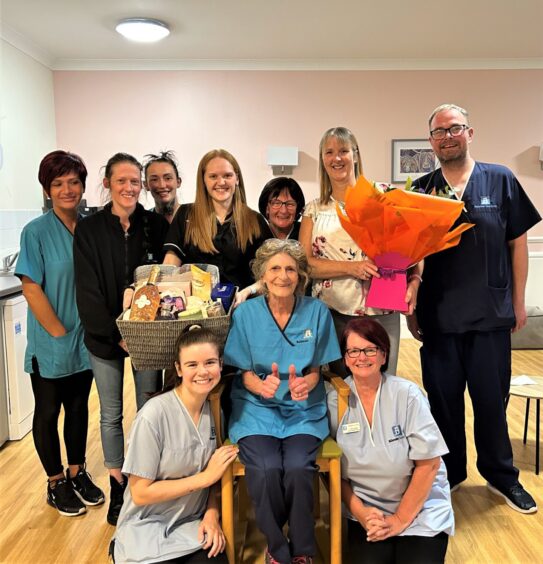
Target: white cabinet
x=20, y=400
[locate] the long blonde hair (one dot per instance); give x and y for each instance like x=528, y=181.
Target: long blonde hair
x=202, y=219
x=347, y=137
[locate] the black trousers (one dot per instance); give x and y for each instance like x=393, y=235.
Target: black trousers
x=482, y=361
x=279, y=475
x=394, y=550
x=50, y=394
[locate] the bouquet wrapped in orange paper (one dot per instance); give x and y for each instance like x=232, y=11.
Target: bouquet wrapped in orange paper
x=397, y=229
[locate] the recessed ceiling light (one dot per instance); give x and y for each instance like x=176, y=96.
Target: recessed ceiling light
x=144, y=30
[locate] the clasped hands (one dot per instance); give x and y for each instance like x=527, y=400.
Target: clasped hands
x=380, y=526
x=299, y=389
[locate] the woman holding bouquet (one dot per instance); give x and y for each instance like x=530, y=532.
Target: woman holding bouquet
x=340, y=270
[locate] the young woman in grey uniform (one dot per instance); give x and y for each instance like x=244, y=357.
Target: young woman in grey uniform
x=394, y=483
x=171, y=506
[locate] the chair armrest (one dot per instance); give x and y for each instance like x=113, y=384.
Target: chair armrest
x=343, y=392
x=215, y=401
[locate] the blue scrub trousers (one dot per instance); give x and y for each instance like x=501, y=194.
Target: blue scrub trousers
x=279, y=475
x=482, y=360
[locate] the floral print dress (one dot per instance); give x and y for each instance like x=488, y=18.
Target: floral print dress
x=344, y=294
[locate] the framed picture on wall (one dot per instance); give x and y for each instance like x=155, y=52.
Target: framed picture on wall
x=411, y=158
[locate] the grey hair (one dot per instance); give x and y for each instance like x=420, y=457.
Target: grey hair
x=345, y=136
x=445, y=108
x=290, y=247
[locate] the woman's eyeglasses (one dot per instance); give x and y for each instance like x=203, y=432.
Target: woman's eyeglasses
x=278, y=204
x=368, y=351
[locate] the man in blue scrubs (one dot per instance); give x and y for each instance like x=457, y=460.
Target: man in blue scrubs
x=471, y=299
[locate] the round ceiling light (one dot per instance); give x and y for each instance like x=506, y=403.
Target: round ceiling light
x=144, y=30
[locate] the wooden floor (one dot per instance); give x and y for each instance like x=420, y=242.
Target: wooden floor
x=486, y=529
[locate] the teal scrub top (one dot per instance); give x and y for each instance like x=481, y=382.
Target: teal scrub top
x=255, y=341
x=46, y=258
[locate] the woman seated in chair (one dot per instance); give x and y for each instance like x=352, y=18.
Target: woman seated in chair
x=279, y=341
x=394, y=482
x=171, y=511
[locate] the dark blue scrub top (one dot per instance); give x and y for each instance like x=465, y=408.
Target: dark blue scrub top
x=469, y=287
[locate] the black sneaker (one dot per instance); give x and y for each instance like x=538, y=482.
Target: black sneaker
x=84, y=489
x=116, y=500
x=62, y=497
x=516, y=497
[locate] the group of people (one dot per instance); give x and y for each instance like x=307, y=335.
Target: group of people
x=401, y=455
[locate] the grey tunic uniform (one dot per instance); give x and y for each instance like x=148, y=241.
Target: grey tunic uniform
x=164, y=444
x=379, y=461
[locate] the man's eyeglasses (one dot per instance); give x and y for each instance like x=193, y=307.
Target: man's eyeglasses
x=368, y=351
x=454, y=130
x=278, y=204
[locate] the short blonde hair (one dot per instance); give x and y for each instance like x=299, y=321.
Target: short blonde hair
x=290, y=247
x=445, y=108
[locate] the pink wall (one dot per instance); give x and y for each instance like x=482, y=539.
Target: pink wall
x=101, y=112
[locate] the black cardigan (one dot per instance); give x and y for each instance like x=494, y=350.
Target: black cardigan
x=105, y=259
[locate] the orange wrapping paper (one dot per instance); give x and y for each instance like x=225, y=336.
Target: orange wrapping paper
x=397, y=229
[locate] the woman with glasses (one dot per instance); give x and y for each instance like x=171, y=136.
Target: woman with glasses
x=394, y=482
x=279, y=341
x=282, y=202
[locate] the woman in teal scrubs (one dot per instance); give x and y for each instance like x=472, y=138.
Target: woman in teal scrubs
x=56, y=358
x=279, y=341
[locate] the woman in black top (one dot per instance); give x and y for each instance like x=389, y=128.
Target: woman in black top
x=219, y=228
x=108, y=246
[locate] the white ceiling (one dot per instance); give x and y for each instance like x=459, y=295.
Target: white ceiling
x=281, y=34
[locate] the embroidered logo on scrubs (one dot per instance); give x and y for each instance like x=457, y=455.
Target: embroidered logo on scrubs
x=485, y=201
x=397, y=433
x=308, y=335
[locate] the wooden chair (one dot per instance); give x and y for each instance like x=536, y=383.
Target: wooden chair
x=328, y=461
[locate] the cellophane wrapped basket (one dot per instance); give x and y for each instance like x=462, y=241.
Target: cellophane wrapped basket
x=151, y=344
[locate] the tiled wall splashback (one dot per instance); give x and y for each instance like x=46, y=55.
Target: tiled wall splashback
x=11, y=225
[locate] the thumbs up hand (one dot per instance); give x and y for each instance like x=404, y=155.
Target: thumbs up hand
x=271, y=383
x=299, y=390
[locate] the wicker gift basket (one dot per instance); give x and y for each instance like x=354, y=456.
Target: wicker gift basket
x=151, y=344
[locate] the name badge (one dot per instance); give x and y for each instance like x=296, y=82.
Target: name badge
x=350, y=428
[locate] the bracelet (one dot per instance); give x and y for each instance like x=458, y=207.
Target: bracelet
x=414, y=275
